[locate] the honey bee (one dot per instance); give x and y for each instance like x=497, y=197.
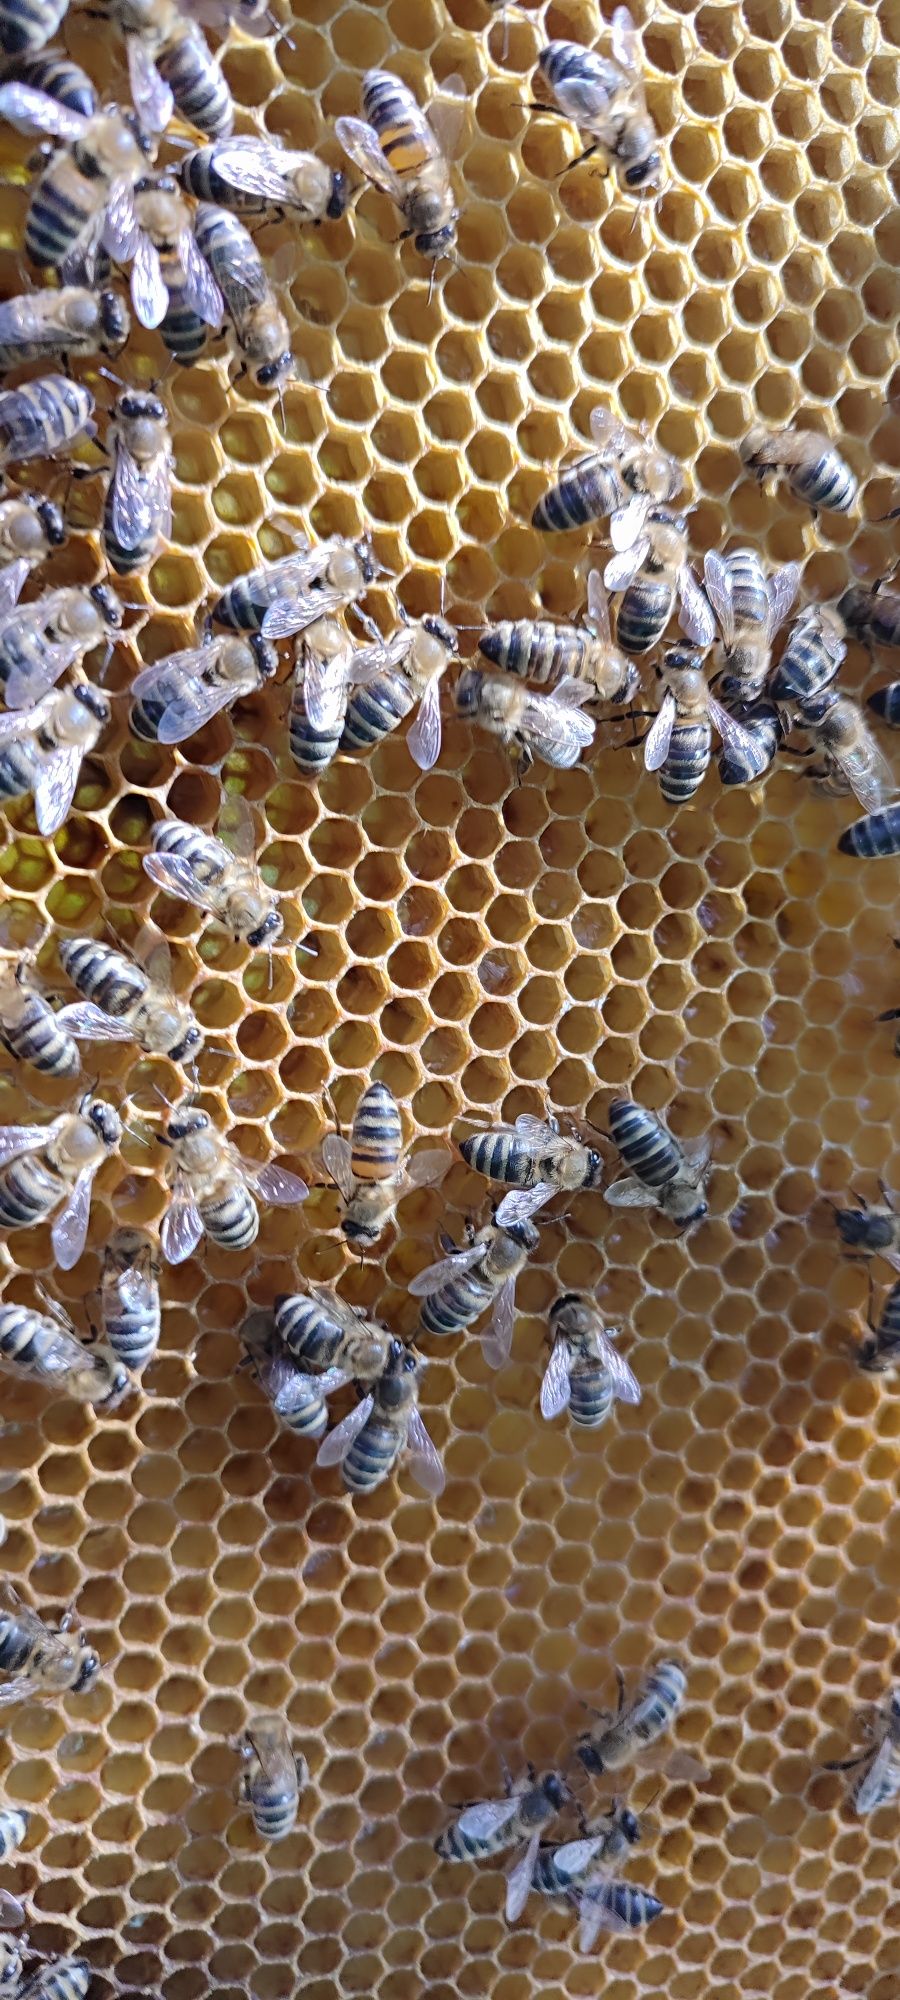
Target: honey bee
x=280, y=598
x=51, y=1167
x=604, y=97
x=612, y=1742
x=466, y=1281
x=550, y=726
x=323, y=1332
x=71, y=321
x=251, y=176
x=368, y=1169
x=404, y=152
x=813, y=469
x=274, y=1778
x=30, y=527
x=664, y=1175
x=223, y=880
x=43, y=1663
x=214, y=1189
x=59, y=77
x=405, y=669
x=742, y=763
x=171, y=286
x=129, y=1297
x=170, y=64
x=28, y=24
x=852, y=761
x=873, y=1231
x=260, y=329
x=43, y=418
x=536, y=1160
x=678, y=743
x=585, y=1373
x=181, y=694
x=46, y=1347
x=749, y=607
x=653, y=571
x=129, y=999
x=31, y=1031
x=872, y=615
x=62, y=1979
x=42, y=749
x=494, y=1825
x=328, y=666
x=880, y=1782
x=82, y=199
x=540, y=651
x=39, y=641
x=368, y=1442
x=885, y=703
x=137, y=512
x=622, y=477
x=814, y=652
x=881, y=1349
x=578, y=1872
x=13, y=1828
x=298, y=1399
x=873, y=838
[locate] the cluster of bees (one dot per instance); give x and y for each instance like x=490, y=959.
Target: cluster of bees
x=100, y=208
x=56, y=1978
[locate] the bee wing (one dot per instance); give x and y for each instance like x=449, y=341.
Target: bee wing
x=498, y=1339
x=425, y=1466
x=625, y=1383
x=869, y=776
x=334, y=1448
x=149, y=93
x=555, y=726
x=189, y=712
x=626, y=48
x=119, y=225
x=537, y=1131
x=555, y=1387
x=185, y=666
x=12, y=582
x=871, y=1784
x=782, y=589
x=12, y=1911
x=55, y=786
x=608, y=433
x=275, y=1185
x=249, y=169
x=89, y=1024
x=598, y=608
x=235, y=826
x=336, y=1154
x=447, y=114
x=426, y=1167
x=519, y=1879
x=659, y=734
x=361, y=146
x=21, y=1689
x=597, y=1913
x=325, y=684
x=200, y=288
x=424, y=739
x=629, y=1193
x=135, y=1288
x=171, y=873
x=626, y=524
x=70, y=1226
x=479, y=1822
x=140, y=503
x=621, y=570
x=695, y=616
x=522, y=1202
x=149, y=295
x=182, y=1226
x=426, y=1282
x=62, y=1353
x=717, y=577
x=28, y=684
x=18, y=1139
x=734, y=736
x=274, y=1752
x=33, y=111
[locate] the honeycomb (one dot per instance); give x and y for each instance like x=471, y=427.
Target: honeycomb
x=487, y=948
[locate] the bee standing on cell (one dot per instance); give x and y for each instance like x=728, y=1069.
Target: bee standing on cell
x=536, y=1160
x=171, y=64
x=171, y=285
x=623, y=476
x=137, y=511
x=129, y=1297
x=466, y=1281
x=874, y=838
x=539, y=651
x=46, y=1347
x=222, y=879
x=30, y=527
x=369, y=1169
x=323, y=1332
x=253, y=176
x=76, y=320
x=406, y=669
x=298, y=1399
x=494, y=1825
x=549, y=726
x=81, y=202
x=214, y=1190
x=678, y=743
x=578, y=1872
x=182, y=693
x=280, y=598
x=814, y=651
x=40, y=641
x=871, y=614
x=43, y=418
x=604, y=97
x=261, y=332
x=851, y=758
x=404, y=152
x=664, y=1175
x=274, y=1777
x=585, y=1373
x=368, y=1443
x=47, y=1167
x=874, y=1232
x=42, y=749
x=30, y=1030
x=749, y=608
x=612, y=1742
x=747, y=758
x=42, y=1663
x=880, y=1782
x=812, y=467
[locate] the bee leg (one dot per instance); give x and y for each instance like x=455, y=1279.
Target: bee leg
x=620, y=1683
x=579, y=161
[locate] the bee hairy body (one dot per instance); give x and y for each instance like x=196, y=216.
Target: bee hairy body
x=404, y=134
x=30, y=1032
x=591, y=1394
x=644, y=612
x=612, y=1744
x=627, y=1904
x=875, y=837
x=58, y=77
x=41, y=417
x=377, y=1135
x=501, y=1156
x=588, y=490
x=687, y=761
x=645, y=1145
x=885, y=702
x=374, y=711
x=200, y=91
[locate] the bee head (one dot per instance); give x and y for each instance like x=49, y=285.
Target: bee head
x=266, y=932
x=436, y=242
x=644, y=172
x=467, y=693
x=114, y=319
x=187, y=1123
x=629, y=1825
x=272, y=373
x=859, y=1225
x=339, y=196
x=595, y=1168
x=105, y=1121
x=134, y=405
x=265, y=655
x=107, y=604
x=95, y=703
x=437, y=628
x=51, y=520
x=562, y=1305
x=189, y=1043
x=87, y=1672
x=682, y=660
x=556, y=1791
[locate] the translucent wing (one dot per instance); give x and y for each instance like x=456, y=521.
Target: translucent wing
x=250, y=168
x=290, y=614
x=59, y=1355
x=274, y=1752
x=325, y=686
x=12, y=582
x=717, y=578
x=70, y=1226
x=871, y=1786
x=28, y=683
x=539, y=1133
x=621, y=570
x=55, y=787
x=336, y=1154
x=869, y=776
x=625, y=1383
x=235, y=826
x=135, y=1288
x=608, y=433
x=519, y=1880
x=360, y=144
x=695, y=617
x=192, y=710
x=33, y=111
x=570, y=692
x=497, y=1342
x=447, y=115
x=482, y=1821
x=659, y=734
x=200, y=288
x=277, y=1186
x=555, y=730
x=171, y=873
x=11, y=1910
x=629, y=1193
x=152, y=96
x=182, y=1226
x=20, y=1689
x=734, y=737
x=148, y=291
x=425, y=1465
x=597, y=1913
x=521, y=1202
x=89, y=1024
x=626, y=524
x=429, y=1281
x=177, y=667
x=782, y=589
x=423, y=1168
x=555, y=1387
x=597, y=607
x=22, y=723
x=18, y=1139
x=424, y=739
x=336, y=1445
x=140, y=501
x=120, y=232
x=626, y=44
